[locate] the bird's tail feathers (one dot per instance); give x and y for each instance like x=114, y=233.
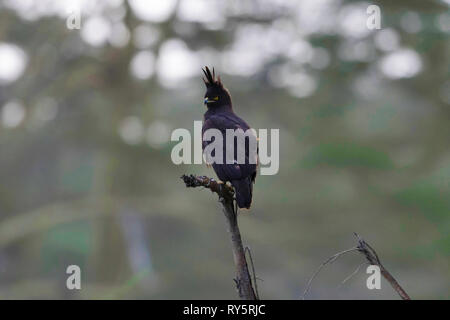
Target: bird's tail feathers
x=244, y=192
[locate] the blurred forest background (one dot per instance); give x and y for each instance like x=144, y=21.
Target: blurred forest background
x=86, y=116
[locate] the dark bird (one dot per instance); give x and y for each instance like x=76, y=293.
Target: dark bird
x=220, y=115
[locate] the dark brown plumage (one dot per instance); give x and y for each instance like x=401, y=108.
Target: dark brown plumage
x=220, y=115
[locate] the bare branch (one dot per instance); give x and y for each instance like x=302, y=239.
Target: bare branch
x=373, y=259
x=223, y=190
x=226, y=198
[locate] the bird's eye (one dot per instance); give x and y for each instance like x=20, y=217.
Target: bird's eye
x=216, y=98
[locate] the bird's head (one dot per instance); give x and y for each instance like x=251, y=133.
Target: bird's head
x=216, y=94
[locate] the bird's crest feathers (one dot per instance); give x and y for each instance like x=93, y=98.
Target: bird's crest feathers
x=211, y=80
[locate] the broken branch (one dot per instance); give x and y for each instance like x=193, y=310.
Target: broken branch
x=373, y=259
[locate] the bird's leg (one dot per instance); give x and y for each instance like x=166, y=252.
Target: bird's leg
x=228, y=184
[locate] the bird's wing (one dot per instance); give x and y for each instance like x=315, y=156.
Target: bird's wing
x=229, y=171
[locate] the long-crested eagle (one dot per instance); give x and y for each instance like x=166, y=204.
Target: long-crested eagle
x=220, y=115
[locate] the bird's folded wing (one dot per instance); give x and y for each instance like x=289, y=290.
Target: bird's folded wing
x=231, y=171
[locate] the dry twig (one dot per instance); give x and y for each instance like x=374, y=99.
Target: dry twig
x=328, y=261
x=254, y=278
x=372, y=258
